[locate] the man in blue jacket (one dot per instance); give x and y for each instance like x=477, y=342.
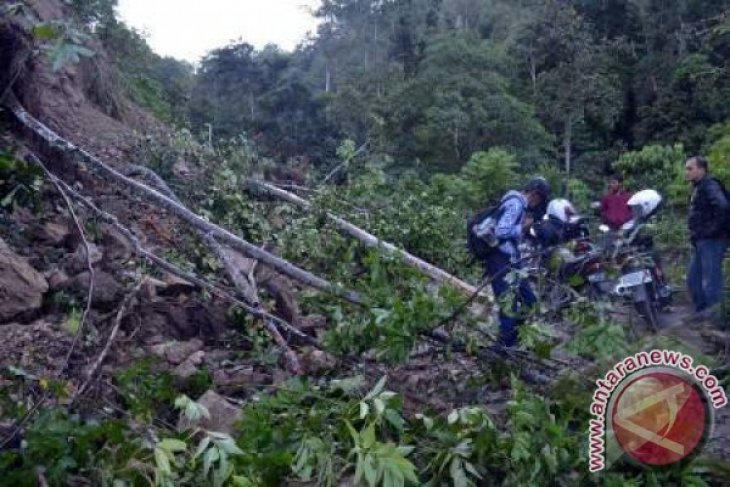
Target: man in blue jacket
x=512, y=224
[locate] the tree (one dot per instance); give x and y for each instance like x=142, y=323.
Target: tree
x=456, y=105
x=569, y=73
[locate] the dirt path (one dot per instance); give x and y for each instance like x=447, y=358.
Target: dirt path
x=712, y=342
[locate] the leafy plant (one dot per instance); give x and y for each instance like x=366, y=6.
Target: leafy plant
x=20, y=182
x=62, y=42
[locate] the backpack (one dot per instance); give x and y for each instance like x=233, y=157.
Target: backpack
x=481, y=240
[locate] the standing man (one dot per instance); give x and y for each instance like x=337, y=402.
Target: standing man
x=513, y=222
x=707, y=221
x=615, y=210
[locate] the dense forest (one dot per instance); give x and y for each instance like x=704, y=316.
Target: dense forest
x=571, y=84
x=252, y=271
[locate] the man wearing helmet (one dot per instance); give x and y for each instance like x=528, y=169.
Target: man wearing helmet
x=560, y=224
x=512, y=224
x=707, y=221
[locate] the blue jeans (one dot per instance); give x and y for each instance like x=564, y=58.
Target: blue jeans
x=498, y=267
x=704, y=277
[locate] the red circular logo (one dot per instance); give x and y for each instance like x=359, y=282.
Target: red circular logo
x=659, y=418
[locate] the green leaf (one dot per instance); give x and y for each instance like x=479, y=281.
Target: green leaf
x=229, y=446
x=172, y=445
x=368, y=437
x=73, y=322
x=210, y=456
x=163, y=461
x=45, y=32
x=241, y=481
x=379, y=406
x=364, y=410
x=371, y=475
x=377, y=389
x=202, y=446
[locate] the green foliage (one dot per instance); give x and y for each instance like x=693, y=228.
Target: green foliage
x=656, y=167
x=486, y=176
x=719, y=155
x=146, y=392
x=19, y=182
x=62, y=42
x=597, y=337
x=62, y=445
x=471, y=110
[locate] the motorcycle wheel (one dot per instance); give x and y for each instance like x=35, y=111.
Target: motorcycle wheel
x=648, y=312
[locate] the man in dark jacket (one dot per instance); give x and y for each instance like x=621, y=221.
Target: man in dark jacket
x=513, y=222
x=707, y=221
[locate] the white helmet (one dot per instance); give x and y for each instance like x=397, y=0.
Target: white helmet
x=561, y=209
x=644, y=203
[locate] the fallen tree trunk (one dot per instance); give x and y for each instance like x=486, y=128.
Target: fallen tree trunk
x=178, y=210
x=239, y=270
x=369, y=239
x=167, y=266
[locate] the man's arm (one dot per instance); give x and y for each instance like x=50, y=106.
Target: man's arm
x=720, y=206
x=509, y=225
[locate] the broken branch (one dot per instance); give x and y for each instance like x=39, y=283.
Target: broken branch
x=89, y=266
x=369, y=239
x=112, y=336
x=165, y=202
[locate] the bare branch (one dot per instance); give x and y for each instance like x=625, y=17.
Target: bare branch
x=171, y=268
x=112, y=336
x=89, y=266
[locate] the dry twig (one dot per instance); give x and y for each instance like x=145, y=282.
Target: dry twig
x=87, y=249
x=112, y=336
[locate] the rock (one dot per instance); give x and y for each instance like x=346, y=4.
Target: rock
x=78, y=262
x=176, y=284
x=223, y=415
x=177, y=352
x=21, y=286
x=239, y=377
x=116, y=247
x=189, y=367
x=150, y=286
x=37, y=348
x=313, y=321
x=57, y=279
x=318, y=362
x=107, y=290
x=55, y=233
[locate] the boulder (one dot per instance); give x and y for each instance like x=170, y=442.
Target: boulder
x=57, y=279
x=319, y=362
x=78, y=262
x=52, y=232
x=107, y=291
x=21, y=286
x=177, y=352
x=116, y=247
x=239, y=377
x=189, y=367
x=223, y=415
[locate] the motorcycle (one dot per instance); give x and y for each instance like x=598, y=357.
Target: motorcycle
x=618, y=265
x=630, y=254
x=565, y=268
